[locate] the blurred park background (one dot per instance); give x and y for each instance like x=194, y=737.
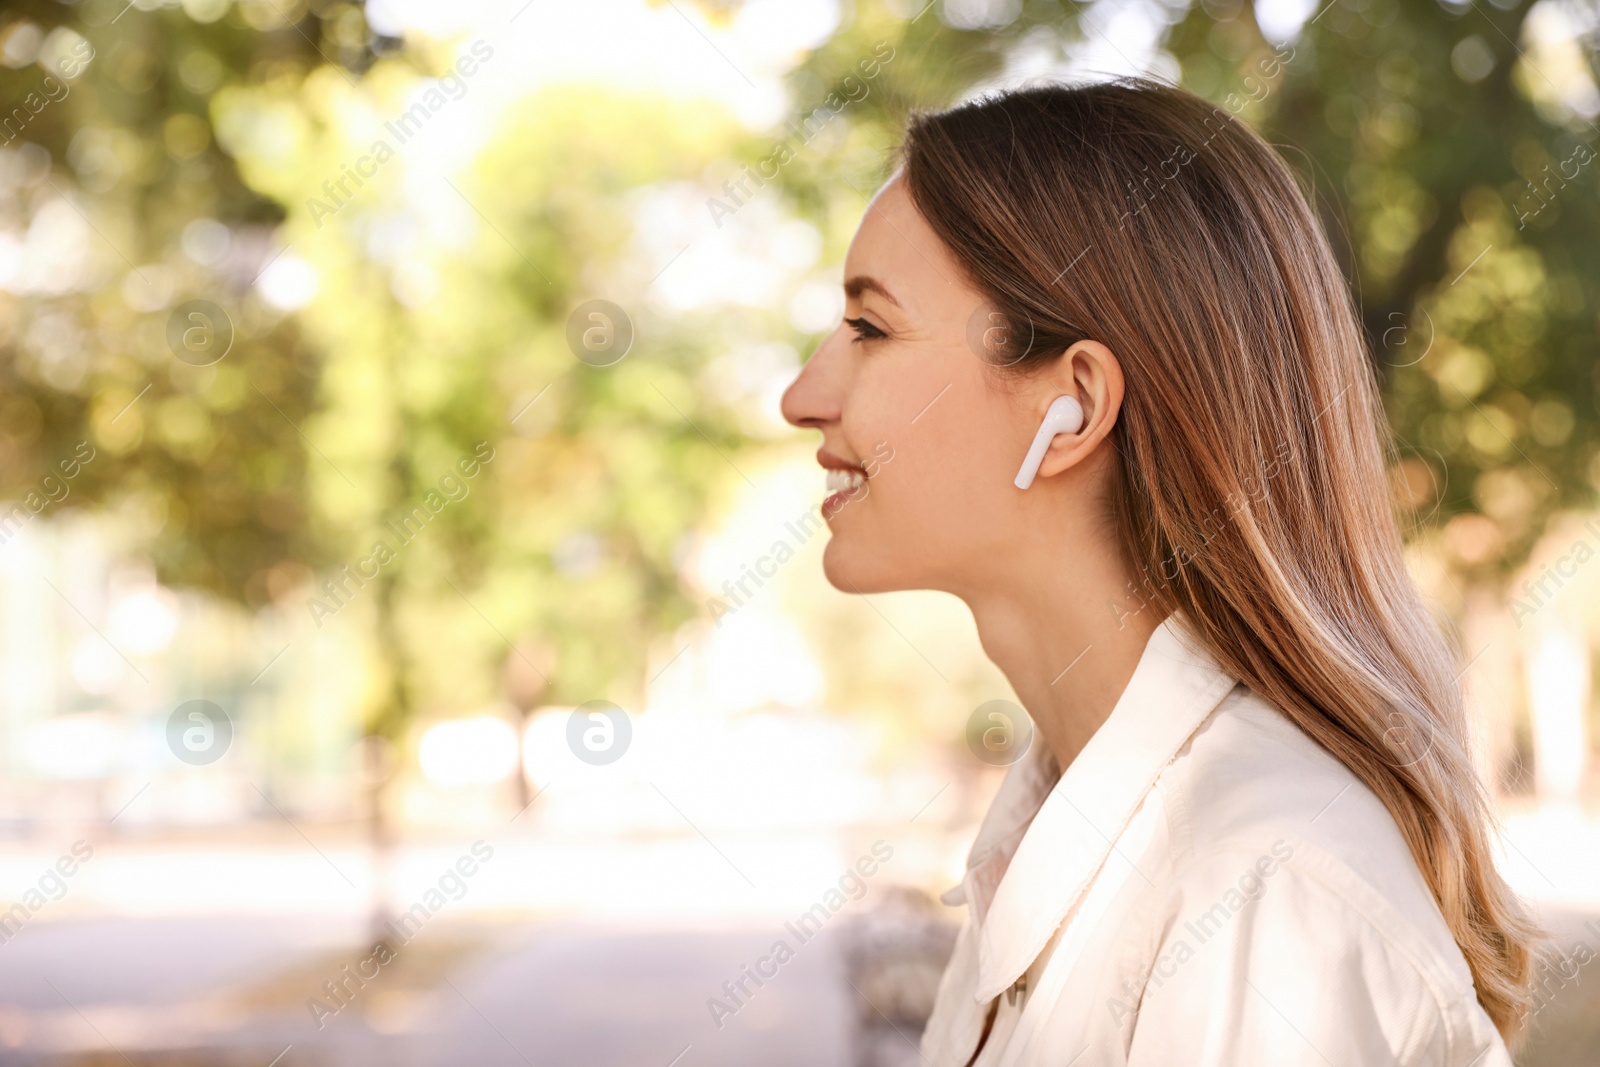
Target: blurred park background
x=406, y=659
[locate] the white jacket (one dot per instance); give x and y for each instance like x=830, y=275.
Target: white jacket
x=1205, y=885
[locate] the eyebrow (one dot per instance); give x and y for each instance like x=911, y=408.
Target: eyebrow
x=862, y=283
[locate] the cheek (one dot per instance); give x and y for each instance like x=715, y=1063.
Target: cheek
x=962, y=475
x=927, y=479
x=950, y=476
x=939, y=506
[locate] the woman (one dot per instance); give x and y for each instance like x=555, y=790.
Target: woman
x=1251, y=833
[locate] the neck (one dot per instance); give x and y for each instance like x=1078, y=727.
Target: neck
x=1066, y=639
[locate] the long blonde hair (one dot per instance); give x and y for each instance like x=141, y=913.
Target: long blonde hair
x=1252, y=484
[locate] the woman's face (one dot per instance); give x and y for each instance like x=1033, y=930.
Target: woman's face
x=902, y=397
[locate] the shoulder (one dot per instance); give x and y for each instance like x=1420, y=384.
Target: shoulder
x=1251, y=785
x=1280, y=957
x=1249, y=776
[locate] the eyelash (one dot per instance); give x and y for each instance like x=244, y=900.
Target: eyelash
x=865, y=331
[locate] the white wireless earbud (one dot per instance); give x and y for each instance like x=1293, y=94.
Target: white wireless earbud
x=1065, y=416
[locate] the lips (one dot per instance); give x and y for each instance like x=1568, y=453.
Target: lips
x=844, y=477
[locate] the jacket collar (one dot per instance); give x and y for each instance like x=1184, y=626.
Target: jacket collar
x=1047, y=833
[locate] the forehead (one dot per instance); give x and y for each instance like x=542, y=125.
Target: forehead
x=895, y=245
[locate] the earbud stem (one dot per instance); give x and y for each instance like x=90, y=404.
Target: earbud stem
x=1036, y=451
x=1065, y=416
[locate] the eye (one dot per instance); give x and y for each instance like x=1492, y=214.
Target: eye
x=865, y=331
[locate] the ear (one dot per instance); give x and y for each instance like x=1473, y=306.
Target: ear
x=1089, y=371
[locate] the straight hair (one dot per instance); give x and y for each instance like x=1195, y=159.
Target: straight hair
x=1251, y=487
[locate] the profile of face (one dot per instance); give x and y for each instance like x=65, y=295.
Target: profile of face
x=903, y=376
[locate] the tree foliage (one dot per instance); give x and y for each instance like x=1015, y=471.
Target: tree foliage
x=204, y=146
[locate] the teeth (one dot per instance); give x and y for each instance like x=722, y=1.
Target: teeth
x=847, y=481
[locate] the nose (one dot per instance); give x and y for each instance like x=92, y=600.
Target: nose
x=814, y=399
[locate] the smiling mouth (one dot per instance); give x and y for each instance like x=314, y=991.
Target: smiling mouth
x=845, y=481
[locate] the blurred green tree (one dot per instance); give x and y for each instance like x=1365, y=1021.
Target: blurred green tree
x=204, y=150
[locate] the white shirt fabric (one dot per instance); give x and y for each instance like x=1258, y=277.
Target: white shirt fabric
x=1204, y=885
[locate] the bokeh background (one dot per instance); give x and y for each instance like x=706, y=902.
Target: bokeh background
x=285, y=281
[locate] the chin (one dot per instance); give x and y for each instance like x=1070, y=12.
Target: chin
x=851, y=571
